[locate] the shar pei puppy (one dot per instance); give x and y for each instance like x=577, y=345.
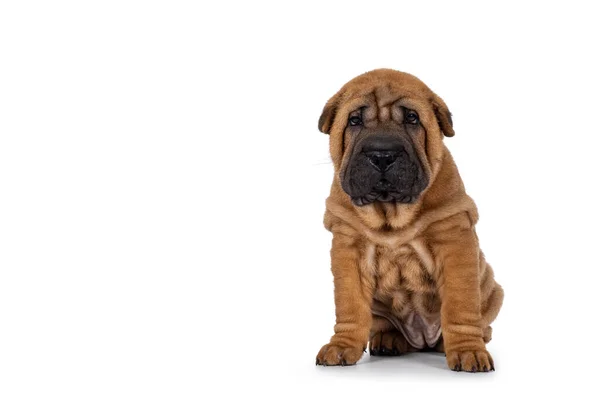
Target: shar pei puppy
x=408, y=271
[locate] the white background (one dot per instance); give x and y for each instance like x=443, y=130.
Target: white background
x=162, y=186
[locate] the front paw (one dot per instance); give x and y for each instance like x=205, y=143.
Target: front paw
x=470, y=360
x=332, y=354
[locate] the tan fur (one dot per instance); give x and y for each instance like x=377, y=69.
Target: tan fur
x=406, y=267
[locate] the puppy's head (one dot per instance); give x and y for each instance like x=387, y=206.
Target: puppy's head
x=386, y=129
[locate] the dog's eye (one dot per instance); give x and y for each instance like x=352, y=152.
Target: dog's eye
x=355, y=120
x=411, y=117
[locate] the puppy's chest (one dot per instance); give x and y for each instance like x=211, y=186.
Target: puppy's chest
x=409, y=269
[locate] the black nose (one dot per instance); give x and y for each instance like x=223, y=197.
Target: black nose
x=383, y=151
x=382, y=160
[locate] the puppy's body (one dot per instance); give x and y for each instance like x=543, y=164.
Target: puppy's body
x=408, y=271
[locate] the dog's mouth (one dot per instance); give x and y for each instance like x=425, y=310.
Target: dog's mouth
x=386, y=192
x=384, y=197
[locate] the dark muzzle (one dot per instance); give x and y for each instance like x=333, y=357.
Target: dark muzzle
x=385, y=168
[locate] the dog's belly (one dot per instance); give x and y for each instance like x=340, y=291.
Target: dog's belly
x=406, y=292
x=420, y=332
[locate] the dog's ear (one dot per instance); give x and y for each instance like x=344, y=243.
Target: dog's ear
x=443, y=116
x=329, y=112
x=327, y=117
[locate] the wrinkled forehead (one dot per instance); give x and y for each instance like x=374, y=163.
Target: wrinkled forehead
x=378, y=100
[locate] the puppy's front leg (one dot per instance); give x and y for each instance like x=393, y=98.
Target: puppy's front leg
x=353, y=298
x=462, y=328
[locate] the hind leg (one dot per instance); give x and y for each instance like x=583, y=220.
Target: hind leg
x=490, y=310
x=386, y=340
